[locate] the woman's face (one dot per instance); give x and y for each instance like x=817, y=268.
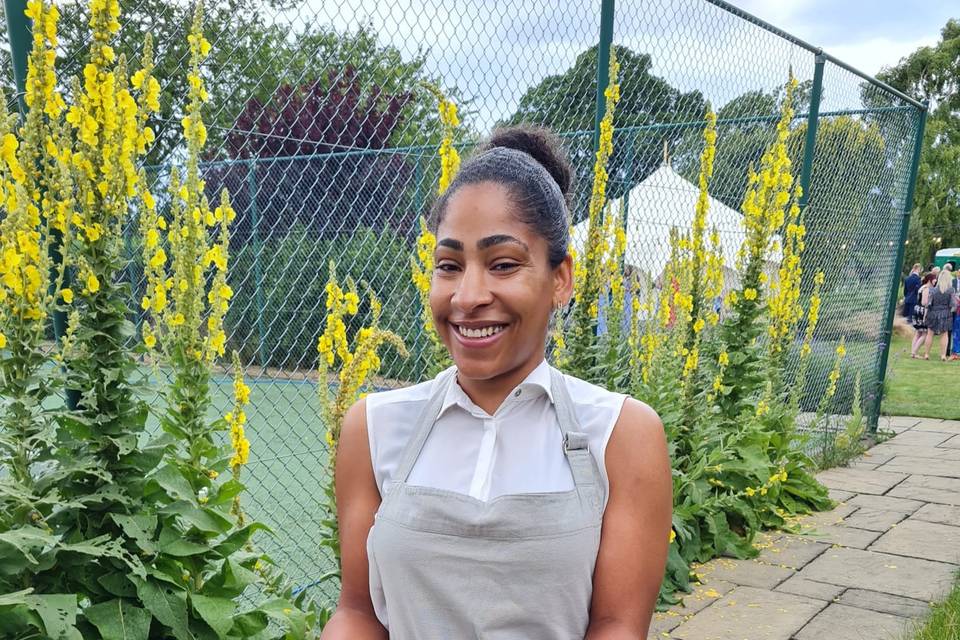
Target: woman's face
x=493, y=288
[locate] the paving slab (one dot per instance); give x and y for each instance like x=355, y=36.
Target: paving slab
x=885, y=603
x=747, y=613
x=702, y=596
x=873, y=519
x=844, y=536
x=879, y=458
x=863, y=464
x=898, y=422
x=929, y=489
x=885, y=503
x=840, y=622
x=800, y=586
x=919, y=539
x=939, y=452
x=939, y=426
x=952, y=443
x=940, y=513
x=840, y=495
x=824, y=518
x=792, y=551
x=914, y=438
x=860, y=480
x=909, y=577
x=923, y=466
x=748, y=573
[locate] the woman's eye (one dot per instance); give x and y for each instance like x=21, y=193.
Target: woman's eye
x=504, y=266
x=446, y=266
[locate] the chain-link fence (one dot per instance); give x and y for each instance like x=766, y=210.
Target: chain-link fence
x=326, y=141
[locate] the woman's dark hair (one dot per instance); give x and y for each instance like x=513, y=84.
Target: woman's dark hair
x=930, y=277
x=531, y=163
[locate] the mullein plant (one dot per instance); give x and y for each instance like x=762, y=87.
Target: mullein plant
x=421, y=265
x=574, y=347
x=353, y=364
x=729, y=421
x=105, y=533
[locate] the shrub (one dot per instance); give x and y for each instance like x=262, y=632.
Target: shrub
x=286, y=312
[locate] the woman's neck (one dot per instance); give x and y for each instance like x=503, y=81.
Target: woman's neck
x=489, y=394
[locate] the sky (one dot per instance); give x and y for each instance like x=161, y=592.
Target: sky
x=866, y=34
x=494, y=50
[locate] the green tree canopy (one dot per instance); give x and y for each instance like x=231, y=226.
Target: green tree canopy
x=933, y=74
x=567, y=103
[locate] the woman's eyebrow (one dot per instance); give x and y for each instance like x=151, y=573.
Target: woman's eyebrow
x=450, y=243
x=490, y=241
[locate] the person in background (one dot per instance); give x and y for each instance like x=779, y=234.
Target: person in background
x=940, y=310
x=911, y=285
x=920, y=314
x=951, y=266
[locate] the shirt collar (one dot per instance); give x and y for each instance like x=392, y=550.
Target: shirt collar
x=535, y=384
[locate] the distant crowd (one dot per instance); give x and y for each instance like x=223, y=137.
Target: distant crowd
x=930, y=304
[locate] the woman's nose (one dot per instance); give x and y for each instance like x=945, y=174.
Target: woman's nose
x=472, y=290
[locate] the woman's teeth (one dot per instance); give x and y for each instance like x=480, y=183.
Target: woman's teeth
x=480, y=333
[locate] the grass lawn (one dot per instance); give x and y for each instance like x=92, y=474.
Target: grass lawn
x=927, y=388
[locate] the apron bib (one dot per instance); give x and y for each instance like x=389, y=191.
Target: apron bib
x=516, y=567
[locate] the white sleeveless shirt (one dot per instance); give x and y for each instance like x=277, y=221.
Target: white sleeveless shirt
x=518, y=449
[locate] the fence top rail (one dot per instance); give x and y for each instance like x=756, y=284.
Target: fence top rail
x=763, y=24
x=421, y=149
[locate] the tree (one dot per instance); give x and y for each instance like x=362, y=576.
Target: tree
x=330, y=172
x=933, y=74
x=567, y=104
x=745, y=129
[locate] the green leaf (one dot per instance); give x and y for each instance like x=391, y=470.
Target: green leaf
x=238, y=576
x=206, y=520
x=58, y=612
x=216, y=612
x=117, y=584
x=172, y=481
x=183, y=548
x=17, y=548
x=140, y=528
x=239, y=538
x=167, y=605
x=227, y=491
x=119, y=620
x=251, y=623
x=286, y=612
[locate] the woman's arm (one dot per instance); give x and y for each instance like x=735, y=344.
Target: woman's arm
x=357, y=501
x=636, y=527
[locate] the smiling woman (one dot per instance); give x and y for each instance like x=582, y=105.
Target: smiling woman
x=503, y=498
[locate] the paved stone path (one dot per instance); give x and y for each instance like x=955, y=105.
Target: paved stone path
x=864, y=571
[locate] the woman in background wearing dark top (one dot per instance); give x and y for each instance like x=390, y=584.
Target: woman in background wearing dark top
x=911, y=285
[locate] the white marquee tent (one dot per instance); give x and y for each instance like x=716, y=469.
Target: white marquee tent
x=664, y=200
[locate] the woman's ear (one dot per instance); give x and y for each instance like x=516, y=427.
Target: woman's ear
x=563, y=280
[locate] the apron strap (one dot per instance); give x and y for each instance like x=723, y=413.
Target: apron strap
x=424, y=424
x=583, y=466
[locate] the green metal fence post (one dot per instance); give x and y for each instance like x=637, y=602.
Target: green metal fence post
x=19, y=32
x=813, y=119
x=886, y=331
x=257, y=251
x=603, y=65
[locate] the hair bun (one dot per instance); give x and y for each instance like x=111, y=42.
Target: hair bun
x=542, y=144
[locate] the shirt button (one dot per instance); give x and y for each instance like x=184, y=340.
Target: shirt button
x=516, y=394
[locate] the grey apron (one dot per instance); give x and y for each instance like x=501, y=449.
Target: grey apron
x=516, y=567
